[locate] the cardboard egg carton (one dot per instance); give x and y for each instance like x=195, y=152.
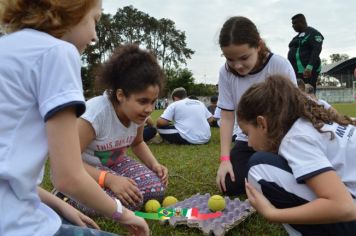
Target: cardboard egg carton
x=234, y=213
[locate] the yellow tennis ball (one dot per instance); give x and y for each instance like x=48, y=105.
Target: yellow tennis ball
x=216, y=203
x=170, y=200
x=152, y=206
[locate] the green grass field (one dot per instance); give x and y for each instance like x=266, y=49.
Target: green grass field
x=346, y=108
x=192, y=170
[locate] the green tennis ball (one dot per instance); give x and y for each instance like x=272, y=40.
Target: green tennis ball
x=170, y=200
x=152, y=206
x=216, y=203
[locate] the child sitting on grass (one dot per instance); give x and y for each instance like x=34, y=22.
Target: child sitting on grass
x=114, y=122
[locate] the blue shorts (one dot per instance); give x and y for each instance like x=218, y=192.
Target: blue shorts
x=68, y=229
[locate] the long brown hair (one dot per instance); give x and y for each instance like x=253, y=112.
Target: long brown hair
x=51, y=16
x=240, y=30
x=282, y=103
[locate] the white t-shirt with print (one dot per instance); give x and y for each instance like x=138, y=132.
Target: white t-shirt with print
x=112, y=137
x=232, y=87
x=309, y=152
x=38, y=75
x=190, y=119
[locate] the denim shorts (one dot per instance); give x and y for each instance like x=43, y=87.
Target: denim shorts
x=68, y=229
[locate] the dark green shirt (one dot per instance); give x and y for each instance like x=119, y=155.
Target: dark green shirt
x=304, y=50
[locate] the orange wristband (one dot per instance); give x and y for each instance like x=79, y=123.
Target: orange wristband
x=224, y=158
x=102, y=178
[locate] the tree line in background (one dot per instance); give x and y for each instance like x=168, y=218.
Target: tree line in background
x=336, y=57
x=130, y=25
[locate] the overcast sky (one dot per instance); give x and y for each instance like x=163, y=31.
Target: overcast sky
x=201, y=21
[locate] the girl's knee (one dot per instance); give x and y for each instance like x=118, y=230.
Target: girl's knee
x=154, y=192
x=267, y=166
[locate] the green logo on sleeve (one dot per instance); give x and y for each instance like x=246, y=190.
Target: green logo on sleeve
x=318, y=38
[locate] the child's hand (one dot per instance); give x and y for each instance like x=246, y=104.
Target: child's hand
x=125, y=189
x=259, y=201
x=162, y=172
x=76, y=217
x=307, y=73
x=224, y=169
x=135, y=225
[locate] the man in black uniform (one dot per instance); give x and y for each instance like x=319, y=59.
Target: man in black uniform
x=304, y=50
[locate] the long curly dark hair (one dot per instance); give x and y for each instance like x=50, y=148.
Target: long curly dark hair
x=282, y=103
x=131, y=69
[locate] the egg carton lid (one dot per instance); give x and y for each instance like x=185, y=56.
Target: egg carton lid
x=234, y=213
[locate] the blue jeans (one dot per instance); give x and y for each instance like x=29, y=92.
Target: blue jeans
x=68, y=229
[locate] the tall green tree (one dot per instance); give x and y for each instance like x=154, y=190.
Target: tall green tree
x=130, y=25
x=161, y=36
x=97, y=53
x=169, y=43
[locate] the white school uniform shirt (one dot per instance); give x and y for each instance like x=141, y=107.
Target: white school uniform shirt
x=321, y=102
x=232, y=87
x=112, y=137
x=39, y=74
x=190, y=119
x=324, y=103
x=309, y=152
